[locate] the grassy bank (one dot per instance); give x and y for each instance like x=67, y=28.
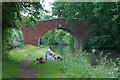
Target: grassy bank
x=48, y=70
x=10, y=62
x=22, y=54
x=28, y=51
x=9, y=68
x=70, y=67
x=81, y=67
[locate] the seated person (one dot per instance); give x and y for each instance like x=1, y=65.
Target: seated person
x=49, y=55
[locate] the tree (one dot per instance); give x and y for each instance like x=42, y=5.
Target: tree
x=12, y=15
x=102, y=30
x=116, y=18
x=12, y=11
x=58, y=37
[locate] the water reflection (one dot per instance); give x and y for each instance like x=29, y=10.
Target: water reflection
x=68, y=51
x=63, y=50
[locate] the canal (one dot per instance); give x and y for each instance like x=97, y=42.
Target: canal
x=66, y=51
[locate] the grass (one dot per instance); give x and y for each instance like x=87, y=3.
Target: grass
x=24, y=53
x=48, y=70
x=81, y=68
x=28, y=51
x=10, y=66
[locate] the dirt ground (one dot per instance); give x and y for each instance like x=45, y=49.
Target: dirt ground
x=25, y=70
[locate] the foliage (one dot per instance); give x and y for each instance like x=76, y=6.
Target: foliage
x=11, y=20
x=58, y=37
x=101, y=41
x=46, y=17
x=12, y=17
x=25, y=21
x=116, y=18
x=98, y=18
x=80, y=67
x=12, y=11
x=14, y=38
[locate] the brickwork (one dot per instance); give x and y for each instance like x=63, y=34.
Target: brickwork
x=42, y=27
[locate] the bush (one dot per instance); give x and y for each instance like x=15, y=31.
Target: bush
x=14, y=39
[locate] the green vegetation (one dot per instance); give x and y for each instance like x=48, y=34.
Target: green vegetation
x=28, y=51
x=80, y=67
x=48, y=70
x=100, y=18
x=9, y=68
x=22, y=54
x=14, y=38
x=12, y=19
x=10, y=64
x=11, y=38
x=16, y=10
x=70, y=67
x=59, y=37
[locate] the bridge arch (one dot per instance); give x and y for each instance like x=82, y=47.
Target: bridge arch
x=66, y=30
x=42, y=27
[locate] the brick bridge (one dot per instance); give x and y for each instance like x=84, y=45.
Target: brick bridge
x=31, y=36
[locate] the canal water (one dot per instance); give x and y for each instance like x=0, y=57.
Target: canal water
x=65, y=51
